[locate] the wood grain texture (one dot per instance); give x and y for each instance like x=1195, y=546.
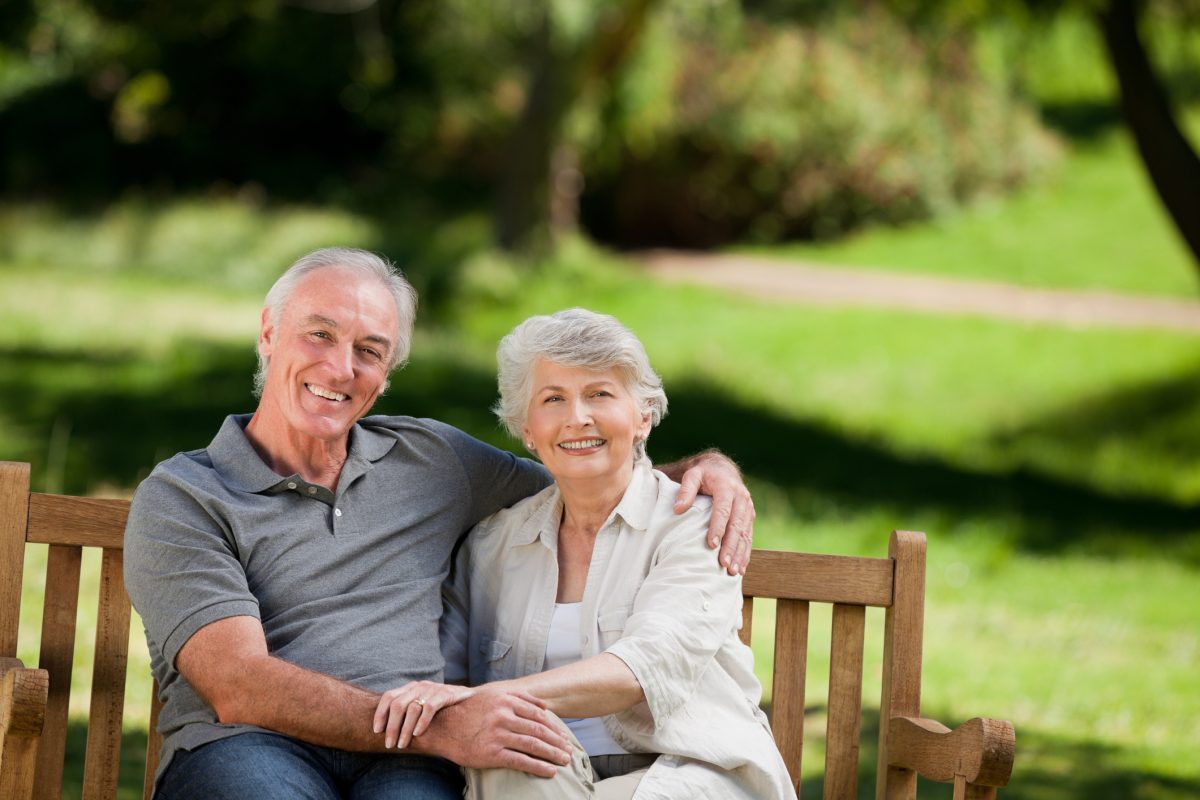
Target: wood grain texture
x=788, y=684
x=14, y=510
x=87, y=521
x=981, y=751
x=108, y=683
x=22, y=714
x=819, y=578
x=903, y=629
x=57, y=657
x=845, y=702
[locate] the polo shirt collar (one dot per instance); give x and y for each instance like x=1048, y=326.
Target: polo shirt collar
x=239, y=465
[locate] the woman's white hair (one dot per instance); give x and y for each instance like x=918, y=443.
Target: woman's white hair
x=575, y=337
x=363, y=262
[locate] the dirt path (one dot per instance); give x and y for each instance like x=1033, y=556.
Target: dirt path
x=800, y=282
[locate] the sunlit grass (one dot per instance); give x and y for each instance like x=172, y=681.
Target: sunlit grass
x=1095, y=225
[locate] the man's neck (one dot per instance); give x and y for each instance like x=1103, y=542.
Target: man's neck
x=288, y=452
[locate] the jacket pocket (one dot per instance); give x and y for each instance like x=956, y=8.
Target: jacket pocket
x=612, y=625
x=493, y=654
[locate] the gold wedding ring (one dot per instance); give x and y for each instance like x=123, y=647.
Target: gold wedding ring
x=420, y=701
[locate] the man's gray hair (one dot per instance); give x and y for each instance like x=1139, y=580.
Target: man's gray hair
x=363, y=262
x=575, y=337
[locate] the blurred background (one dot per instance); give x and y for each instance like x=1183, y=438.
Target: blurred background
x=162, y=163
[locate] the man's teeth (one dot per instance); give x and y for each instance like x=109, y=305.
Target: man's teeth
x=326, y=393
x=581, y=445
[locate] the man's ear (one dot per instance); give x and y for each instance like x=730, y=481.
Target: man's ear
x=266, y=334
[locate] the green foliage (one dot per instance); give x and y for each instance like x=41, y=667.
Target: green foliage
x=786, y=131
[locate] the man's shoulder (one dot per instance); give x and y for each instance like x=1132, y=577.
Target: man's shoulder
x=400, y=425
x=513, y=520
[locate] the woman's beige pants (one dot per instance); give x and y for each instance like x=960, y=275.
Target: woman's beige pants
x=577, y=781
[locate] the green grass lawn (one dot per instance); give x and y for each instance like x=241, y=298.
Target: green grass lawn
x=1051, y=469
x=1054, y=470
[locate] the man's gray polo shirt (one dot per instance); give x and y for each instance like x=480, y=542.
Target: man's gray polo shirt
x=345, y=583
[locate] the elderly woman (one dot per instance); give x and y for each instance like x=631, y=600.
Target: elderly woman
x=595, y=598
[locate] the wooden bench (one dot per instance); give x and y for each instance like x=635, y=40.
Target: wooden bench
x=976, y=757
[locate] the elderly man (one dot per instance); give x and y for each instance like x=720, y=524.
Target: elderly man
x=290, y=571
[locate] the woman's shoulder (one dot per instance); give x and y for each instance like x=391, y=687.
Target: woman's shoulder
x=525, y=517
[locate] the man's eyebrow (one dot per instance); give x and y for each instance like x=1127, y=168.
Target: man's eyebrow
x=326, y=321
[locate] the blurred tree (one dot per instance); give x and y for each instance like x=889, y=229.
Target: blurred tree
x=575, y=51
x=1170, y=159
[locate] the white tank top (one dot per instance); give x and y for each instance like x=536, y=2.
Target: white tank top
x=562, y=648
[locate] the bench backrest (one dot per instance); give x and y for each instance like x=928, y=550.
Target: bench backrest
x=796, y=580
x=850, y=585
x=68, y=525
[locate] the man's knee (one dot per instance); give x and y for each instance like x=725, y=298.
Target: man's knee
x=259, y=765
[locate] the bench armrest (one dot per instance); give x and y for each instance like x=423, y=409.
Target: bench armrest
x=22, y=713
x=979, y=752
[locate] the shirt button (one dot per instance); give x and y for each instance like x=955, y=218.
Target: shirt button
x=706, y=605
x=291, y=484
x=312, y=490
x=337, y=512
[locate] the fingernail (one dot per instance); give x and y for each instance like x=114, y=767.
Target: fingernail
x=713, y=542
x=726, y=561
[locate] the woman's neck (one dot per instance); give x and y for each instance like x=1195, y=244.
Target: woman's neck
x=587, y=504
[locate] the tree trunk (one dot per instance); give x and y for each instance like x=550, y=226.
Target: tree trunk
x=1171, y=161
x=540, y=181
x=523, y=199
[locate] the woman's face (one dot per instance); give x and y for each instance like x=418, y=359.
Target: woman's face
x=582, y=423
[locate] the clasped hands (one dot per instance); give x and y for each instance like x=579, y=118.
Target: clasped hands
x=493, y=725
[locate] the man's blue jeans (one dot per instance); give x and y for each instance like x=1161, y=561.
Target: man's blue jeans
x=264, y=766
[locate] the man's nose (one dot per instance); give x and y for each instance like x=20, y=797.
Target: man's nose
x=341, y=360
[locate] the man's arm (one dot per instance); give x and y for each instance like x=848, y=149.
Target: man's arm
x=732, y=522
x=228, y=664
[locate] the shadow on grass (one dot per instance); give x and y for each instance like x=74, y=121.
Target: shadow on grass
x=123, y=416
x=1082, y=120
x=1047, y=767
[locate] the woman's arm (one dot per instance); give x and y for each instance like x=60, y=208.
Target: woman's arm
x=593, y=687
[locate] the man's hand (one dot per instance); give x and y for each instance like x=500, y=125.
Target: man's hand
x=732, y=523
x=497, y=728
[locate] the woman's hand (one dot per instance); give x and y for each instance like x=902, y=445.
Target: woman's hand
x=407, y=711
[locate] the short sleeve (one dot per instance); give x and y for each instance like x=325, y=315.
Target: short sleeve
x=498, y=479
x=181, y=571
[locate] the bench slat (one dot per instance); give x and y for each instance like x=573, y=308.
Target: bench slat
x=87, y=521
x=108, y=682
x=788, y=682
x=59, y=614
x=820, y=578
x=14, y=507
x=845, y=702
x=747, y=619
x=153, y=743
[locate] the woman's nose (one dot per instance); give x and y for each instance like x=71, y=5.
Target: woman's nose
x=581, y=414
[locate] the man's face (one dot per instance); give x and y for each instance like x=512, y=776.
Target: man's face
x=329, y=352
